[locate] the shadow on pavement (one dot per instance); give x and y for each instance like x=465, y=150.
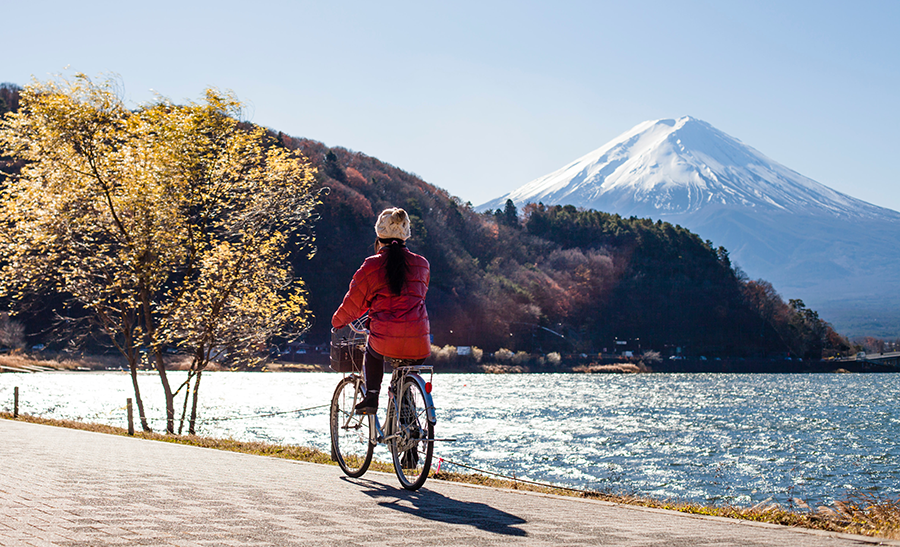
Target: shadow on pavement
x=433, y=506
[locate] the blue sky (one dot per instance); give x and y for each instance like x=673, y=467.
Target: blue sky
x=482, y=97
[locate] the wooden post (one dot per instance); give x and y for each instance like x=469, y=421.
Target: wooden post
x=16, y=402
x=130, y=417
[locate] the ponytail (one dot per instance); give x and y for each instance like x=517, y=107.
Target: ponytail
x=396, y=264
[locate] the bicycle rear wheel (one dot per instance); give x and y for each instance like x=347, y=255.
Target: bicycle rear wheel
x=413, y=441
x=350, y=445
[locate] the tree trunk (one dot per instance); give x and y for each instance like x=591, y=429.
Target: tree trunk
x=130, y=353
x=151, y=344
x=187, y=394
x=132, y=365
x=191, y=428
x=167, y=390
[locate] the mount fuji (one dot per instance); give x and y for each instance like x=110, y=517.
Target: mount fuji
x=841, y=255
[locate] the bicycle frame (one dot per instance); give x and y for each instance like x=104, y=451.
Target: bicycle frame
x=378, y=435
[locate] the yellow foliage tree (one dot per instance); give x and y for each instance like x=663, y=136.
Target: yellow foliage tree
x=168, y=222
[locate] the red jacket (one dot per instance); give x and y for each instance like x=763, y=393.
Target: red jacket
x=398, y=324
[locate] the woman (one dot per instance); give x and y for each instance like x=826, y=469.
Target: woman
x=390, y=285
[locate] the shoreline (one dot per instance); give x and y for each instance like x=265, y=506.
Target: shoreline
x=23, y=363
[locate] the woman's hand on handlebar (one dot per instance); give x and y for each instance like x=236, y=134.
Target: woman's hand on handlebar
x=360, y=325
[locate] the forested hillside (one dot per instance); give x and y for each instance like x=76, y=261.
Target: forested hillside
x=549, y=278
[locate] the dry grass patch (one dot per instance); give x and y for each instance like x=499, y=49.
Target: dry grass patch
x=493, y=368
x=22, y=362
x=25, y=362
x=615, y=368
x=861, y=514
x=65, y=361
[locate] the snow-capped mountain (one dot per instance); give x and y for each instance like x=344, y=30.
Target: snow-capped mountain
x=672, y=167
x=838, y=253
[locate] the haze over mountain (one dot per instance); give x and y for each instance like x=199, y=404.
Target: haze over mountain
x=838, y=253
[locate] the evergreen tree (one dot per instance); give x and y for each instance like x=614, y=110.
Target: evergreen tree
x=510, y=216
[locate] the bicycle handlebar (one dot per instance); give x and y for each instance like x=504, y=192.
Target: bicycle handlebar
x=358, y=329
x=357, y=325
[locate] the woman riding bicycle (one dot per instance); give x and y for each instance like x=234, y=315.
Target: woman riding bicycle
x=390, y=285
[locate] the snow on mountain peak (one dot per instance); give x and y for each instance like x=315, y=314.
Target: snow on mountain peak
x=676, y=166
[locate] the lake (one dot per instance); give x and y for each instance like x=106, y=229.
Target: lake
x=708, y=438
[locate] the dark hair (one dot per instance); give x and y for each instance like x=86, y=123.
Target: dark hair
x=396, y=263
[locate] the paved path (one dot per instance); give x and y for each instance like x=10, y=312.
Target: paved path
x=71, y=488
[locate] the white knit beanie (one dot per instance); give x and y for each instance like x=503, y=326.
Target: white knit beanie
x=393, y=223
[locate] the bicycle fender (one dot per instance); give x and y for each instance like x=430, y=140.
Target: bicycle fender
x=429, y=403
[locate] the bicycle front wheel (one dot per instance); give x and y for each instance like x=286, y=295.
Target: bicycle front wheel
x=413, y=437
x=350, y=444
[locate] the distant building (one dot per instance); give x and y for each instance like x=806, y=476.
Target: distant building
x=626, y=347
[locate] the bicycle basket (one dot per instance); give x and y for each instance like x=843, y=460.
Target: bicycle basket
x=347, y=349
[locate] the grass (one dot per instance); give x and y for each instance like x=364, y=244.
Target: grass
x=862, y=513
x=20, y=361
x=65, y=361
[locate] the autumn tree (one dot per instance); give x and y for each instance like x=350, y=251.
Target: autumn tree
x=167, y=222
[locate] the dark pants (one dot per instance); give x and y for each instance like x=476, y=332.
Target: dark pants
x=373, y=366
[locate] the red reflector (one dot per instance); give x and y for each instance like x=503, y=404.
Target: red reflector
x=427, y=387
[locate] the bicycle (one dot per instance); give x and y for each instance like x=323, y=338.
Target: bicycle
x=410, y=418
